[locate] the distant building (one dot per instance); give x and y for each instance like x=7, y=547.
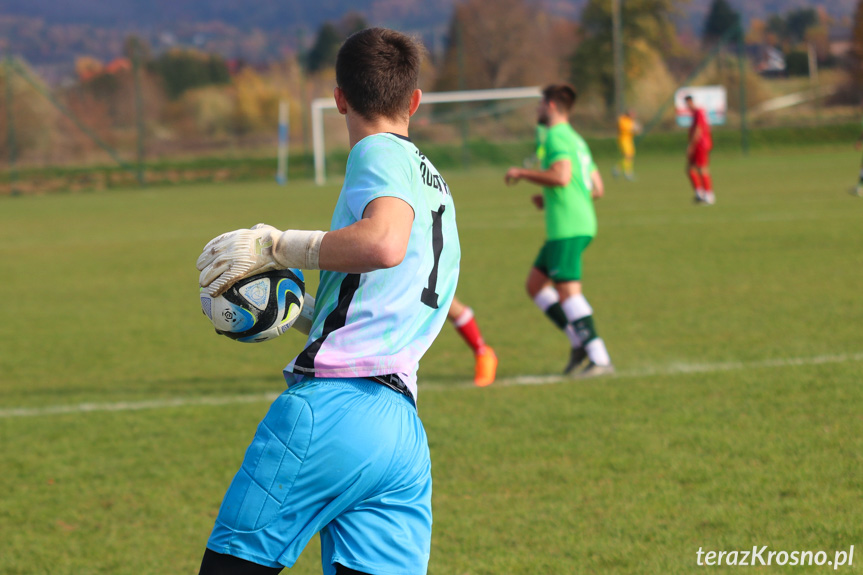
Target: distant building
x=770, y=61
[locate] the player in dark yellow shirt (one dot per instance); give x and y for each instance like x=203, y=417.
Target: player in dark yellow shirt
x=627, y=128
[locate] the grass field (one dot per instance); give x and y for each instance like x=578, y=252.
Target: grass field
x=735, y=420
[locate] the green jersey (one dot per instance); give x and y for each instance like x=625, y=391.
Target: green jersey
x=568, y=209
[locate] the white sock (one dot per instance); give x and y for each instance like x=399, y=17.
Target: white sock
x=574, y=340
x=464, y=318
x=597, y=353
x=576, y=307
x=546, y=298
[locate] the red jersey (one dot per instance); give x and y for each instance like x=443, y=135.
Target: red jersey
x=699, y=120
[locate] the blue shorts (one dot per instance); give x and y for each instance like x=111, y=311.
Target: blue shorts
x=347, y=458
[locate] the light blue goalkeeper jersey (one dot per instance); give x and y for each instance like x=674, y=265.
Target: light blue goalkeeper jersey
x=382, y=322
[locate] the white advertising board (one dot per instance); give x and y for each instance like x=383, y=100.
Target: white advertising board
x=712, y=99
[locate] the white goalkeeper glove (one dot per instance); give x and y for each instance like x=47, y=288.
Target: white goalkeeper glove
x=235, y=255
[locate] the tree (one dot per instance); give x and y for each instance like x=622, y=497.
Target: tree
x=135, y=47
x=500, y=44
x=721, y=18
x=256, y=102
x=33, y=118
x=757, y=33
x=777, y=27
x=181, y=70
x=818, y=36
x=791, y=29
x=647, y=27
x=87, y=67
x=329, y=38
x=326, y=46
x=857, y=49
x=797, y=22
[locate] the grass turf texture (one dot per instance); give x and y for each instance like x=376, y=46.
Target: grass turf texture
x=713, y=436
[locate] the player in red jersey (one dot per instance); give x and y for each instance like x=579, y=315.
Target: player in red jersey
x=485, y=368
x=698, y=154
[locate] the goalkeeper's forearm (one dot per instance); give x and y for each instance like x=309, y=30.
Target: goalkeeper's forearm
x=298, y=249
x=367, y=245
x=378, y=241
x=303, y=323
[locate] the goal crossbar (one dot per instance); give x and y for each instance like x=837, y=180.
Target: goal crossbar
x=321, y=104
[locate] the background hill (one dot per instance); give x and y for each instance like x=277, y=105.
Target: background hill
x=269, y=15
x=263, y=14
x=50, y=32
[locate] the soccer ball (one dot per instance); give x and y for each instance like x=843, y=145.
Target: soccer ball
x=257, y=308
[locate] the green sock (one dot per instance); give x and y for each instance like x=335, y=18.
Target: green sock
x=585, y=329
x=556, y=315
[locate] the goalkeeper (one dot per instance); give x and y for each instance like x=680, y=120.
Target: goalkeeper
x=342, y=451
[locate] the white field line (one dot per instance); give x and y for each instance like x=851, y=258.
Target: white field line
x=670, y=369
x=679, y=368
x=136, y=405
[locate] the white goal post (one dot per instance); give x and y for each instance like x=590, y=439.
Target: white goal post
x=321, y=104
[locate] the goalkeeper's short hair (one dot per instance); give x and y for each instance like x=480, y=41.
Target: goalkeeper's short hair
x=377, y=69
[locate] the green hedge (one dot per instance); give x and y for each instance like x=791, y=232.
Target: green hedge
x=476, y=153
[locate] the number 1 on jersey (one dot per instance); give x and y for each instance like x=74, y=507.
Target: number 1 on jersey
x=429, y=295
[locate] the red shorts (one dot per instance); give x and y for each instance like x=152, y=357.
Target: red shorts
x=700, y=155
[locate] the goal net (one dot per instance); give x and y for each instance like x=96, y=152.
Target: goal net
x=447, y=119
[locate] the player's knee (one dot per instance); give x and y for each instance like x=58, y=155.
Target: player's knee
x=568, y=289
x=534, y=285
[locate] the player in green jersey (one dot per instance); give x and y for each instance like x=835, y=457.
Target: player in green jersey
x=570, y=183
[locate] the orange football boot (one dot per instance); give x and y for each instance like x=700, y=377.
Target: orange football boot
x=486, y=367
